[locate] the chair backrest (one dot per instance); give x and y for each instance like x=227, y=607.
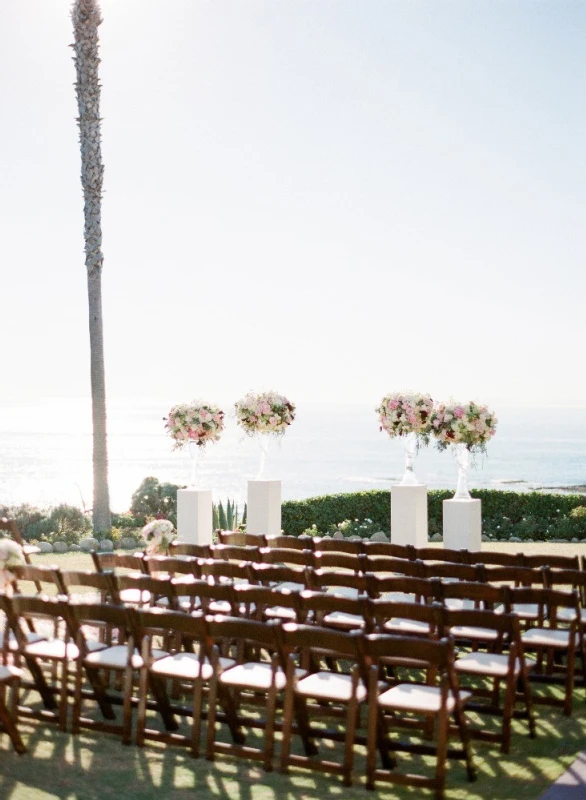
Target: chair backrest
x=390, y=550
x=515, y=576
x=36, y=607
x=297, y=637
x=173, y=565
x=352, y=547
x=504, y=625
x=44, y=578
x=443, y=554
x=435, y=653
x=482, y=595
x=243, y=630
x=348, y=561
x=242, y=539
x=317, y=605
x=382, y=611
x=294, y=542
x=153, y=621
x=205, y=592
x=547, y=601
x=119, y=561
x=419, y=588
x=335, y=582
x=537, y=560
x=189, y=549
x=283, y=555
x=239, y=553
x=457, y=572
x=252, y=601
x=210, y=568
x=269, y=574
x=115, y=616
x=397, y=566
x=102, y=582
x=496, y=558
x=572, y=578
x=147, y=586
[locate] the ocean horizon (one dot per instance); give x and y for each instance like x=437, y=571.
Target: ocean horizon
x=46, y=450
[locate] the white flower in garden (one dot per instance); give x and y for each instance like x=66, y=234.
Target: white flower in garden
x=158, y=536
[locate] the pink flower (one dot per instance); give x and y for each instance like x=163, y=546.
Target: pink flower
x=458, y=412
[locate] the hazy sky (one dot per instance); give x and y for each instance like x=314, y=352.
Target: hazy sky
x=331, y=198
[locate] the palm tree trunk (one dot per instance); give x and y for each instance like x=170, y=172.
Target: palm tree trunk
x=86, y=18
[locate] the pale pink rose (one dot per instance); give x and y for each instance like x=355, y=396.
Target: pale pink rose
x=458, y=412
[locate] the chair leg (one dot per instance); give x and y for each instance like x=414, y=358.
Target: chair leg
x=11, y=730
x=270, y=728
x=570, y=681
x=508, y=708
x=63, y=695
x=287, y=723
x=442, y=753
x=143, y=684
x=211, y=726
x=349, y=741
x=196, y=719
x=127, y=707
x=465, y=739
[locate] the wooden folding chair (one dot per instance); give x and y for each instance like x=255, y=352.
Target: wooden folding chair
x=351, y=546
x=189, y=666
x=98, y=587
x=554, y=634
x=342, y=584
x=401, y=588
x=238, y=553
x=43, y=579
x=446, y=571
x=400, y=618
x=242, y=539
x=434, y=702
x=515, y=577
x=281, y=577
x=495, y=558
x=390, y=550
x=537, y=560
x=293, y=542
x=394, y=566
x=334, y=611
x=10, y=676
x=123, y=657
x=443, y=554
x=252, y=674
x=500, y=631
x=323, y=686
x=286, y=556
x=121, y=564
x=350, y=562
x=188, y=549
x=57, y=651
x=264, y=603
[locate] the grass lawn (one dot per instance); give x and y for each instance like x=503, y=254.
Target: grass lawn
x=98, y=766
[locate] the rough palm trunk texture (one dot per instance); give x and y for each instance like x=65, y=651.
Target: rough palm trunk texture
x=86, y=18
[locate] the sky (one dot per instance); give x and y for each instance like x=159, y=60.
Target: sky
x=330, y=198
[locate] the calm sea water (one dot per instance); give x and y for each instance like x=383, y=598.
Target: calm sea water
x=45, y=453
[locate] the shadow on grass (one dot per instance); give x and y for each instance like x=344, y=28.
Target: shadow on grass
x=94, y=765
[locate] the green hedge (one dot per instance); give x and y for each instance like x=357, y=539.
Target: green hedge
x=524, y=514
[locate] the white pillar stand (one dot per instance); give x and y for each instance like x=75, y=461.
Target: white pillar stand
x=463, y=524
x=194, y=516
x=409, y=515
x=263, y=512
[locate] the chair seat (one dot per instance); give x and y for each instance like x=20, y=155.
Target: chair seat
x=521, y=610
x=418, y=698
x=280, y=612
x=8, y=674
x=31, y=638
x=459, y=604
x=397, y=597
x=473, y=632
x=288, y=586
x=332, y=686
x=186, y=666
x=569, y=615
x=407, y=626
x=343, y=591
x=220, y=607
x=56, y=649
x=494, y=664
x=340, y=619
x=546, y=637
x=135, y=597
x=115, y=657
x=255, y=675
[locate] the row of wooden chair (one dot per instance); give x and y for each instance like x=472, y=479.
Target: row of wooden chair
x=234, y=658
x=369, y=548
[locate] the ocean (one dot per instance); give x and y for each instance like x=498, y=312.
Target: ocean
x=45, y=453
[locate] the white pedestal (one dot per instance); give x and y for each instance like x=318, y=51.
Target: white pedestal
x=263, y=512
x=409, y=515
x=462, y=524
x=194, y=516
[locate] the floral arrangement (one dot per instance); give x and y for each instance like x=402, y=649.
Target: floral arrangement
x=403, y=413
x=197, y=422
x=11, y=554
x=158, y=536
x=267, y=412
x=463, y=423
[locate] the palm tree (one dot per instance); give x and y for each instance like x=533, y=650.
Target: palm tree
x=86, y=17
